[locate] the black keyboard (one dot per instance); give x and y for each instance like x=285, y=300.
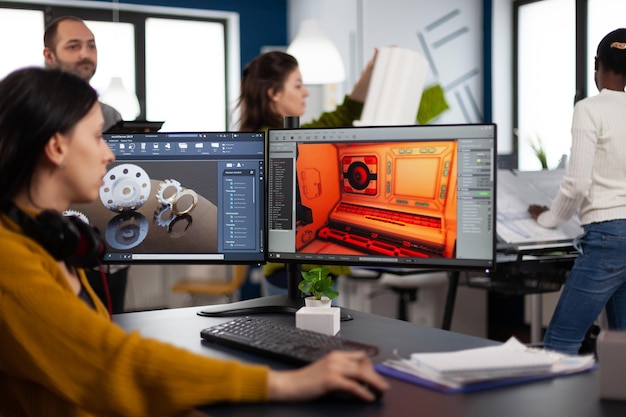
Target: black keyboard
x=279, y=341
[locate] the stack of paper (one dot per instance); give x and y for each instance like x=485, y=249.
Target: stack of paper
x=472, y=369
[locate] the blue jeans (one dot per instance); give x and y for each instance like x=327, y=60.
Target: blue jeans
x=597, y=280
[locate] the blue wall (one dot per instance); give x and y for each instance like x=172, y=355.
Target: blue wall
x=262, y=22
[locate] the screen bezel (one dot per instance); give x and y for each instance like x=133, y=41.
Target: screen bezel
x=373, y=260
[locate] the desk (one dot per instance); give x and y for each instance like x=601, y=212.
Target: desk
x=531, y=259
x=576, y=395
x=518, y=271
x=528, y=272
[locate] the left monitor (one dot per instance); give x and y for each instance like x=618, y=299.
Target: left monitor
x=193, y=197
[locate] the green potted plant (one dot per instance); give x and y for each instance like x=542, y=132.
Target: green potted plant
x=318, y=282
x=537, y=146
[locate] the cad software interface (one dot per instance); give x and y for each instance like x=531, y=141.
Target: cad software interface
x=182, y=197
x=400, y=195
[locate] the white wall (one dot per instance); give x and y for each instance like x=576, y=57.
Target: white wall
x=502, y=73
x=452, y=35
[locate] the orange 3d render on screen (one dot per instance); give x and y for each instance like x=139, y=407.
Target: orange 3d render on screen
x=399, y=195
x=394, y=199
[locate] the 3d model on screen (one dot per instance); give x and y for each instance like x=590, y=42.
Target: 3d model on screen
x=79, y=214
x=126, y=230
x=393, y=199
x=126, y=187
x=180, y=200
x=176, y=204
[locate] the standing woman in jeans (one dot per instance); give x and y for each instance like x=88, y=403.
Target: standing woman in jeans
x=595, y=186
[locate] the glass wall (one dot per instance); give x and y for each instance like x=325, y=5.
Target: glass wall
x=556, y=43
x=116, y=59
x=604, y=16
x=176, y=64
x=546, y=68
x=186, y=88
x=22, y=34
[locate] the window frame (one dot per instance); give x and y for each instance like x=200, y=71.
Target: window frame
x=137, y=15
x=581, y=60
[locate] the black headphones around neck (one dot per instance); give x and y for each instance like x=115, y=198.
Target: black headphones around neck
x=66, y=238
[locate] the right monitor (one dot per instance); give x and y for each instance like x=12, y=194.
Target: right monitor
x=404, y=196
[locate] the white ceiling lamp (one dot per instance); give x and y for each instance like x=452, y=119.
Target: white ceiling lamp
x=122, y=100
x=318, y=58
x=116, y=95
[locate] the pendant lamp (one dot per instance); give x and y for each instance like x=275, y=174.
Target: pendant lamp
x=122, y=100
x=318, y=57
x=117, y=95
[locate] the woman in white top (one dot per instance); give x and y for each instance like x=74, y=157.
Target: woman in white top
x=595, y=186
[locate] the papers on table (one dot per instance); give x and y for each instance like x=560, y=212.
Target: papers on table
x=472, y=369
x=516, y=190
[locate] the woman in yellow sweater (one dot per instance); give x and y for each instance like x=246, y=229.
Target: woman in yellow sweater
x=60, y=354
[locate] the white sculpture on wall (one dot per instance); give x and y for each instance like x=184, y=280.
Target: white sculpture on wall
x=396, y=88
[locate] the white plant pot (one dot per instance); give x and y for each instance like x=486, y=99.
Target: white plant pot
x=313, y=302
x=319, y=319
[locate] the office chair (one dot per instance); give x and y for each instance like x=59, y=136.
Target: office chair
x=227, y=287
x=407, y=286
x=404, y=283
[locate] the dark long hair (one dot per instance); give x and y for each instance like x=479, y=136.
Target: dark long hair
x=612, y=51
x=36, y=103
x=266, y=71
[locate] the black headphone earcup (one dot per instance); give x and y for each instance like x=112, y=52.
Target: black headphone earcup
x=55, y=233
x=66, y=238
x=90, y=248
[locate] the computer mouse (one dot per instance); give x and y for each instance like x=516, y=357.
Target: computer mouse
x=346, y=396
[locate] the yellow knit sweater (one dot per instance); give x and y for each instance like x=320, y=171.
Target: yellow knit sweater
x=59, y=357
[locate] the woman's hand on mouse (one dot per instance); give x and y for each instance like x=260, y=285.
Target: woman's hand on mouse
x=338, y=371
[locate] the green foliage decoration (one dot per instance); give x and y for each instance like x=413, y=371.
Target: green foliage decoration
x=317, y=281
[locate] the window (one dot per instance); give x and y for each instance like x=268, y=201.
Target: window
x=604, y=16
x=187, y=88
x=554, y=66
x=546, y=68
x=116, y=59
x=28, y=27
x=182, y=64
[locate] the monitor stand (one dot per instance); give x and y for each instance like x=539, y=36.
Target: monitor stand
x=276, y=304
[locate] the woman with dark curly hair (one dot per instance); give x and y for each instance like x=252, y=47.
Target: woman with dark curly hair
x=595, y=187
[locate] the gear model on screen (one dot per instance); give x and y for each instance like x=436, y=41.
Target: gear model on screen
x=79, y=214
x=176, y=204
x=126, y=188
